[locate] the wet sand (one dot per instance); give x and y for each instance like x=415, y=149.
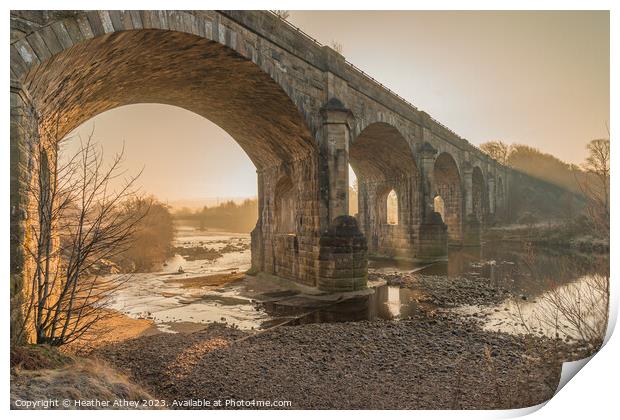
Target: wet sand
x=114, y=327
x=213, y=280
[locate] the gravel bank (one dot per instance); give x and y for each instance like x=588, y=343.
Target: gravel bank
x=438, y=362
x=448, y=292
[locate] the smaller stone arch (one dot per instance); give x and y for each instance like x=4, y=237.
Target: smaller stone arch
x=479, y=194
x=380, y=151
x=383, y=162
x=449, y=195
x=386, y=206
x=284, y=196
x=439, y=207
x=392, y=207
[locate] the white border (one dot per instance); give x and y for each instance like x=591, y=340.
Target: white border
x=593, y=394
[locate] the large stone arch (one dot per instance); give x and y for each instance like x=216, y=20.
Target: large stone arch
x=174, y=68
x=383, y=161
x=83, y=63
x=46, y=33
x=449, y=191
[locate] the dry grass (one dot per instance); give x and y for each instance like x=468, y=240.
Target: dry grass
x=32, y=357
x=41, y=373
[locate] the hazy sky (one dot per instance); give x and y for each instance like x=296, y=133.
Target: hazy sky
x=539, y=78
x=184, y=156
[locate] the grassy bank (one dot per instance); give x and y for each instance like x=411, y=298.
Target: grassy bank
x=56, y=380
x=575, y=235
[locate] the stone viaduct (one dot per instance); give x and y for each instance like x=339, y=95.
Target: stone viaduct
x=300, y=111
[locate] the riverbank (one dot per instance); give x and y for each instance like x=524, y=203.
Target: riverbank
x=437, y=362
x=439, y=336
x=574, y=236
x=434, y=358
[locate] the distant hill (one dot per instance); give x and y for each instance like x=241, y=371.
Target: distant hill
x=198, y=203
x=228, y=216
x=533, y=162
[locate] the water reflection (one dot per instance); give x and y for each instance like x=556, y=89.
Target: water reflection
x=574, y=311
x=537, y=281
x=459, y=261
x=520, y=269
x=387, y=302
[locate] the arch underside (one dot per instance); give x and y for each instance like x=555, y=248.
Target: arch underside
x=383, y=161
x=211, y=80
x=448, y=187
x=174, y=68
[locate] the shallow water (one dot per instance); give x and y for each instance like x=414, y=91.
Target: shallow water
x=557, y=294
x=528, y=276
x=575, y=310
x=158, y=297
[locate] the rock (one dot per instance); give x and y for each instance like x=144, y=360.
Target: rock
x=104, y=267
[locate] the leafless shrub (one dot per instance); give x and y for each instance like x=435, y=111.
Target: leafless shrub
x=282, y=14
x=595, y=185
x=77, y=223
x=336, y=46
x=576, y=311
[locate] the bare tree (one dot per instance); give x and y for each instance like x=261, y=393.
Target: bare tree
x=78, y=223
x=577, y=310
x=336, y=46
x=282, y=14
x=595, y=186
x=498, y=150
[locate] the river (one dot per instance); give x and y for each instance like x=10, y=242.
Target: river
x=515, y=290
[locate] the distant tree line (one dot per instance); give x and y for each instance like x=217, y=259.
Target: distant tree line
x=533, y=162
x=147, y=246
x=228, y=216
x=151, y=242
x=591, y=180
